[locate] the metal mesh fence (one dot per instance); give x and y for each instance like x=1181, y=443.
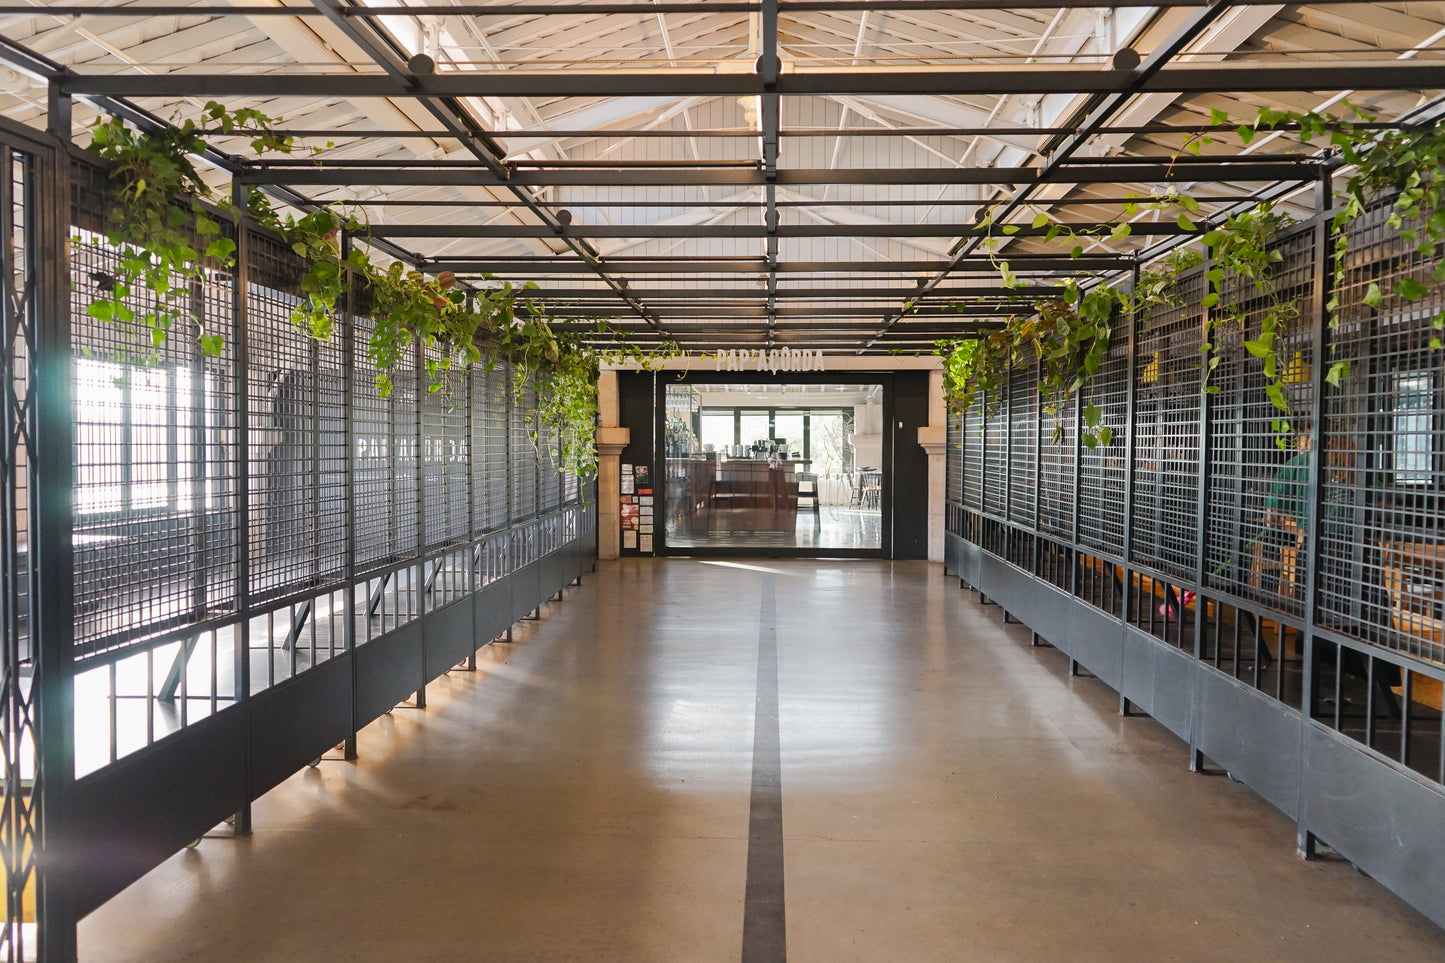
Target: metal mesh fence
x=1058, y=439
x=523, y=453
x=490, y=422
x=971, y=479
x=1381, y=564
x=155, y=462
x=995, y=455
x=1166, y=432
x=1023, y=396
x=297, y=437
x=1102, y=469
x=953, y=459
x=1258, y=467
x=445, y=456
x=374, y=475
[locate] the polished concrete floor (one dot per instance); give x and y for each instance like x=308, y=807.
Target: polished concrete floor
x=833, y=527
x=594, y=793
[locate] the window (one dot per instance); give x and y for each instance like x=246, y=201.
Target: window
x=136, y=437
x=1414, y=424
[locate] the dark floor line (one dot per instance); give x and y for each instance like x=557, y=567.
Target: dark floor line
x=764, y=912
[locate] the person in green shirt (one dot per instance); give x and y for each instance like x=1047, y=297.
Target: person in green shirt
x=1286, y=521
x=1289, y=494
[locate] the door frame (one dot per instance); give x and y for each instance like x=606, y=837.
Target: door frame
x=659, y=459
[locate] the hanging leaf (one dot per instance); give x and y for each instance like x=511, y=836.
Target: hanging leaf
x=1410, y=289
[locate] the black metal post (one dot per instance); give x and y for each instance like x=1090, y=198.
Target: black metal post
x=51, y=424
x=241, y=335
x=1322, y=288
x=1201, y=503
x=418, y=586
x=348, y=419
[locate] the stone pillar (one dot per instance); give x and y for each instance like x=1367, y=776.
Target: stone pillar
x=934, y=439
x=610, y=441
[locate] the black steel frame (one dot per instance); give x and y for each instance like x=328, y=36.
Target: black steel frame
x=352, y=638
x=1297, y=657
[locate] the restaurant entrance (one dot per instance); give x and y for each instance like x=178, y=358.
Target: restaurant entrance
x=780, y=468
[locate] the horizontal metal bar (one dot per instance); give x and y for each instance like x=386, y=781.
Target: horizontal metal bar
x=1141, y=228
x=1227, y=76
x=784, y=310
x=542, y=267
x=657, y=133
x=579, y=202
x=1233, y=172
x=653, y=295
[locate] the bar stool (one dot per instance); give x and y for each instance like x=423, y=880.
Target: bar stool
x=810, y=479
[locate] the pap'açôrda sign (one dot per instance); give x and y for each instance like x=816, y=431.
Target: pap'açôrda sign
x=769, y=359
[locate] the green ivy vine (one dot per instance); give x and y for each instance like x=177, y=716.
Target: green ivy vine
x=1070, y=334
x=167, y=241
x=159, y=222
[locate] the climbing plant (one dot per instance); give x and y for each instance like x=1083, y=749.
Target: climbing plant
x=166, y=237
x=1403, y=162
x=167, y=240
x=1239, y=249
x=1070, y=333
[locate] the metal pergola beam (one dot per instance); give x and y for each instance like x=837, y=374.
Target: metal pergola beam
x=454, y=175
x=455, y=117
x=738, y=133
x=1226, y=76
x=1100, y=109
x=765, y=312
x=541, y=267
x=1144, y=228
x=659, y=295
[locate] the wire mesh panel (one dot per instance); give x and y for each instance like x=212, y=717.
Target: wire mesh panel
x=972, y=456
x=953, y=460
x=378, y=505
x=405, y=430
x=1056, y=470
x=490, y=461
x=297, y=434
x=1023, y=395
x=549, y=475
x=445, y=458
x=1102, y=469
x=155, y=524
x=1381, y=558
x=1256, y=497
x=523, y=453
x=1166, y=426
x=995, y=455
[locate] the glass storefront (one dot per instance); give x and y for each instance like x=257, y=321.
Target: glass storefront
x=790, y=467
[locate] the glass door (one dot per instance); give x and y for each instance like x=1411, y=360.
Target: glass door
x=775, y=468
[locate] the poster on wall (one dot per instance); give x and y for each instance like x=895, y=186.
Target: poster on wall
x=628, y=485
x=644, y=543
x=629, y=515
x=629, y=541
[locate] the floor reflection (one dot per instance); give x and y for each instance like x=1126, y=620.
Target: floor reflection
x=832, y=527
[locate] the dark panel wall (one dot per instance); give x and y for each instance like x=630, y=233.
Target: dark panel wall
x=910, y=465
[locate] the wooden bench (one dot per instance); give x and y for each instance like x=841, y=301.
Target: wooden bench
x=1414, y=575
